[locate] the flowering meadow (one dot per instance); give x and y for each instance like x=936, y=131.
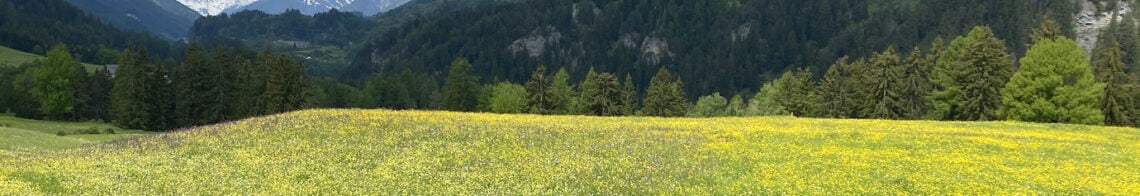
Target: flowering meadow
x=351, y=152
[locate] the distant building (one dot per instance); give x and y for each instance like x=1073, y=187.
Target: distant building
x=112, y=68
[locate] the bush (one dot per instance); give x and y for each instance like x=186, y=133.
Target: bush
x=109, y=131
x=61, y=133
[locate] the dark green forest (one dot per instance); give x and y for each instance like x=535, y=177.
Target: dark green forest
x=35, y=26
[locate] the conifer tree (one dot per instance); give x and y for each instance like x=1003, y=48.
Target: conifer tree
x=195, y=85
x=628, y=96
x=1054, y=85
x=886, y=86
x=839, y=91
x=582, y=104
x=796, y=93
x=988, y=67
x=540, y=98
x=665, y=96
x=915, y=86
x=1116, y=104
x=562, y=93
x=127, y=107
x=947, y=76
x=606, y=96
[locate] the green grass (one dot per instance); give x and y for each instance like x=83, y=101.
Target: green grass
x=17, y=134
x=12, y=57
x=383, y=152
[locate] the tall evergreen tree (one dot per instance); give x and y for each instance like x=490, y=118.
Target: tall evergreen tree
x=886, y=87
x=915, y=86
x=1054, y=85
x=541, y=98
x=987, y=69
x=606, y=96
x=196, y=84
x=250, y=83
x=462, y=90
x=584, y=99
x=665, y=96
x=562, y=93
x=628, y=96
x=839, y=90
x=158, y=94
x=1117, y=102
x=54, y=86
x=796, y=93
x=127, y=107
x=1049, y=30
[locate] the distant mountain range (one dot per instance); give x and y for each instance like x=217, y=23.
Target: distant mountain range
x=309, y=7
x=166, y=18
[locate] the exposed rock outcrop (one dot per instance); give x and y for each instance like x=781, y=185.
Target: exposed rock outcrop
x=1091, y=21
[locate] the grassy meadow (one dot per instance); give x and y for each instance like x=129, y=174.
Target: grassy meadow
x=24, y=135
x=416, y=152
x=11, y=57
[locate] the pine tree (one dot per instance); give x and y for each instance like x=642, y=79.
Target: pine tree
x=796, y=93
x=1117, y=100
x=250, y=84
x=462, y=90
x=915, y=86
x=582, y=104
x=195, y=84
x=1054, y=85
x=886, y=86
x=541, y=100
x=665, y=96
x=157, y=94
x=54, y=84
x=562, y=94
x=99, y=87
x=628, y=97
x=605, y=98
x=839, y=91
x=988, y=67
x=127, y=107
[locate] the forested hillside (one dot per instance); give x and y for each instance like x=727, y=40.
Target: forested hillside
x=715, y=46
x=38, y=25
x=166, y=18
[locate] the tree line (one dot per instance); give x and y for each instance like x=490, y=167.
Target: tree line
x=206, y=87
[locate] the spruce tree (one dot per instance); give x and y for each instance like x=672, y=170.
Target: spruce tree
x=628, y=96
x=988, y=67
x=665, y=96
x=886, y=86
x=840, y=90
x=584, y=99
x=606, y=96
x=915, y=86
x=1049, y=30
x=1116, y=104
x=462, y=89
x=195, y=85
x=796, y=93
x=157, y=94
x=1054, y=85
x=541, y=99
x=54, y=86
x=127, y=107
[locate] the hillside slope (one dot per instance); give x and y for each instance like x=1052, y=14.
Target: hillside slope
x=166, y=18
x=714, y=46
x=410, y=152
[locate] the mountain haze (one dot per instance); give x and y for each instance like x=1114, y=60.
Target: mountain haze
x=167, y=18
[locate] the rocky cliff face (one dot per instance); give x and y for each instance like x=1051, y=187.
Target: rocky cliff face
x=1091, y=21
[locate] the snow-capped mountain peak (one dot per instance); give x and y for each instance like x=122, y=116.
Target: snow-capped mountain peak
x=215, y=7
